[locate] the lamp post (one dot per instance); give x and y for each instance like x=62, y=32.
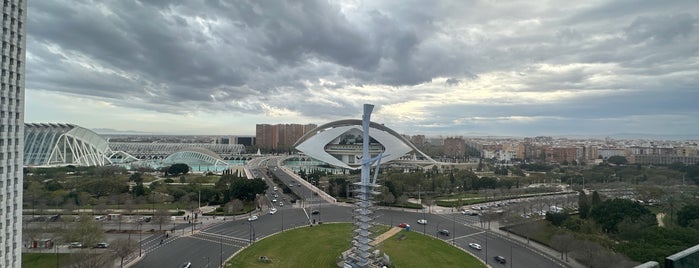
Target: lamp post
x=140, y=247
x=208, y=259
x=56, y=246
x=486, y=247
x=453, y=228
x=221, y=243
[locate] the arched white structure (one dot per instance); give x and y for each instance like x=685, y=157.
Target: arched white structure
x=63, y=144
x=339, y=143
x=195, y=156
x=144, y=150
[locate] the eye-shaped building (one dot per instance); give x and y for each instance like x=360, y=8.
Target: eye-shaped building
x=339, y=143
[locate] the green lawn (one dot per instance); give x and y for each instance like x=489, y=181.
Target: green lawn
x=320, y=246
x=417, y=250
x=42, y=260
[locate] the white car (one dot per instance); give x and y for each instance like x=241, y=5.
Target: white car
x=274, y=200
x=422, y=221
x=252, y=218
x=272, y=211
x=474, y=246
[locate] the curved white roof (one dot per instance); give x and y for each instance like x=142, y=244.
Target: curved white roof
x=315, y=142
x=63, y=144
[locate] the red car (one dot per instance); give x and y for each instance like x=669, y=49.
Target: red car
x=403, y=225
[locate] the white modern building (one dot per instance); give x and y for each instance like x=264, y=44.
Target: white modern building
x=339, y=143
x=50, y=144
x=11, y=131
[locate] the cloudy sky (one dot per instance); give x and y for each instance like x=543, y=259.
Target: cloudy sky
x=490, y=67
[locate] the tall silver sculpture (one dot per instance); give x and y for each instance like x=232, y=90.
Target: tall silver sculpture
x=361, y=253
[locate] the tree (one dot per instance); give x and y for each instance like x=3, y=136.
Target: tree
x=177, y=169
x=556, y=218
x=611, y=212
x=122, y=248
x=246, y=190
x=617, y=160
x=687, y=214
x=585, y=251
x=388, y=198
x=563, y=243
x=583, y=204
x=234, y=206
x=596, y=199
x=86, y=231
x=161, y=216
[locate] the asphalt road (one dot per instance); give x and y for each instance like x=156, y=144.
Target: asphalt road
x=217, y=241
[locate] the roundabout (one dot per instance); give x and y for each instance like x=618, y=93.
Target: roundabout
x=321, y=245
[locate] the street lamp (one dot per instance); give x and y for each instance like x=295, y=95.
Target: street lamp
x=140, y=248
x=221, y=243
x=486, y=247
x=453, y=228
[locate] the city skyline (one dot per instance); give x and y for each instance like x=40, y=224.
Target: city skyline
x=519, y=68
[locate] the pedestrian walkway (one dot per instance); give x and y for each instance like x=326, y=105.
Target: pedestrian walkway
x=394, y=230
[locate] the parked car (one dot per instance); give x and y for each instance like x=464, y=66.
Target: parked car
x=315, y=212
x=471, y=213
x=474, y=246
x=499, y=259
x=403, y=225
x=102, y=245
x=422, y=221
x=443, y=232
x=75, y=245
x=252, y=218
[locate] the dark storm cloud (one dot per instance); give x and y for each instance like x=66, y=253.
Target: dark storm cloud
x=192, y=48
x=307, y=57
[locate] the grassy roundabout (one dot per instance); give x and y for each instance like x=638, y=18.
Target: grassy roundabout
x=319, y=246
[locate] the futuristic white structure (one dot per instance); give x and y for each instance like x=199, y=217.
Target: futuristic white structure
x=63, y=144
x=14, y=13
x=195, y=156
x=339, y=143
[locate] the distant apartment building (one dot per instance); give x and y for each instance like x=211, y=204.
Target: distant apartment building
x=435, y=141
x=12, y=131
x=662, y=159
x=526, y=150
x=454, y=147
x=658, y=155
x=651, y=150
x=687, y=151
x=564, y=154
x=607, y=152
x=280, y=137
x=418, y=140
x=499, y=153
x=243, y=140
